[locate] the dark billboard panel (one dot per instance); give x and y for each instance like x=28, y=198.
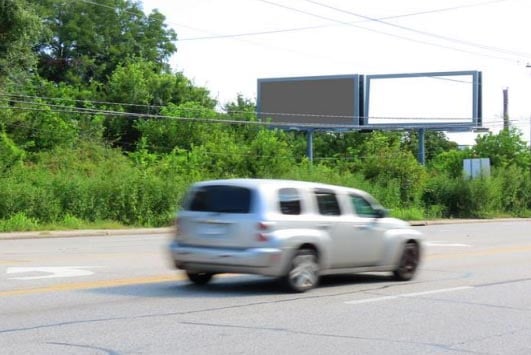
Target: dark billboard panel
x=301, y=101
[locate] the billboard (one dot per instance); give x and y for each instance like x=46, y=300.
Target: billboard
x=311, y=101
x=438, y=99
x=447, y=101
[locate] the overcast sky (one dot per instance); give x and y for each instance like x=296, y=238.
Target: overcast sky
x=227, y=45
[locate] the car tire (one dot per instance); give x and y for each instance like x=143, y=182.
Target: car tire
x=409, y=262
x=199, y=278
x=303, y=273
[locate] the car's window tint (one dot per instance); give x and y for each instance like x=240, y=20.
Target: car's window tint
x=362, y=207
x=219, y=198
x=327, y=203
x=289, y=200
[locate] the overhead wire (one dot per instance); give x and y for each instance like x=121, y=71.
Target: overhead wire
x=425, y=33
x=304, y=28
x=62, y=109
x=46, y=107
x=384, y=32
x=366, y=18
x=210, y=153
x=148, y=115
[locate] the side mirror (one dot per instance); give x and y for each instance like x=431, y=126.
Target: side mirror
x=381, y=213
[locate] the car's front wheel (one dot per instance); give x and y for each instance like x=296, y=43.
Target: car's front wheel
x=303, y=273
x=408, y=262
x=199, y=278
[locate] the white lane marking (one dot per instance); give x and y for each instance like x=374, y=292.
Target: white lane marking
x=52, y=271
x=444, y=244
x=385, y=298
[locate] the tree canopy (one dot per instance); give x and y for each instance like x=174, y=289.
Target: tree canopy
x=20, y=28
x=90, y=39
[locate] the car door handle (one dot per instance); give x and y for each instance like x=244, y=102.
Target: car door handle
x=323, y=226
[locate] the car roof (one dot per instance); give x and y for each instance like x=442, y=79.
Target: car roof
x=254, y=183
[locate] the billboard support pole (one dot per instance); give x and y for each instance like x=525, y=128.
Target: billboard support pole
x=309, y=144
x=422, y=153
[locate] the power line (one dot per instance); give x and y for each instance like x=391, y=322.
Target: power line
x=43, y=107
x=294, y=29
x=212, y=153
x=383, y=32
x=128, y=12
x=429, y=34
x=366, y=18
x=79, y=100
x=262, y=113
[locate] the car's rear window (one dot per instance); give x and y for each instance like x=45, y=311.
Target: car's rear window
x=289, y=201
x=221, y=198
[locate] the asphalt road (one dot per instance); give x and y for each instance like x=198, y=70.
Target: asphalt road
x=119, y=295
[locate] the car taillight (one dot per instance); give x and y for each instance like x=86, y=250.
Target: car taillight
x=177, y=228
x=263, y=228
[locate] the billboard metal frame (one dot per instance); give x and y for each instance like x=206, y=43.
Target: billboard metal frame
x=476, y=120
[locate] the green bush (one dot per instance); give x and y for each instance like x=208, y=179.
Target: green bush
x=76, y=187
x=515, y=186
x=10, y=154
x=19, y=222
x=462, y=197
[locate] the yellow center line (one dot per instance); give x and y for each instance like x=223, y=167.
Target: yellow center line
x=94, y=284
x=181, y=276
x=9, y=262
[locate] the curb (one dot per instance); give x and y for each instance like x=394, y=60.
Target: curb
x=170, y=230
x=465, y=221
x=84, y=233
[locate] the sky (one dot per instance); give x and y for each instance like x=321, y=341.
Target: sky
x=227, y=45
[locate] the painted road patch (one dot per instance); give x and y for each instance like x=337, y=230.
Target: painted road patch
x=445, y=244
x=50, y=272
x=405, y=295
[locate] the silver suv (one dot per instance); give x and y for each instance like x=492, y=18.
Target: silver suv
x=293, y=230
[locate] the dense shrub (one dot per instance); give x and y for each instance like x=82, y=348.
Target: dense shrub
x=90, y=182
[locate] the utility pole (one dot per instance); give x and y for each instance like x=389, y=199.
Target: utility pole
x=506, y=109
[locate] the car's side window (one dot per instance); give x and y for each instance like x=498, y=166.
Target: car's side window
x=290, y=201
x=362, y=207
x=327, y=203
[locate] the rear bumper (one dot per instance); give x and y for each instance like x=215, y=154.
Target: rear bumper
x=260, y=261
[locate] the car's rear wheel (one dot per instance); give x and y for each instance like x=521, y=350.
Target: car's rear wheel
x=408, y=262
x=199, y=278
x=303, y=273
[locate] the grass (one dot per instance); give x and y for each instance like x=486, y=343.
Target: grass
x=21, y=223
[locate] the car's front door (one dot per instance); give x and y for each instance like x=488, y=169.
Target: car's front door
x=359, y=236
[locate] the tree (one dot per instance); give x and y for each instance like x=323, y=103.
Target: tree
x=89, y=39
x=19, y=32
x=386, y=163
x=241, y=109
x=141, y=89
x=504, y=149
x=435, y=143
x=187, y=130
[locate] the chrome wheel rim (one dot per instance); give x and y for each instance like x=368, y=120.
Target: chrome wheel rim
x=304, y=272
x=410, y=258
